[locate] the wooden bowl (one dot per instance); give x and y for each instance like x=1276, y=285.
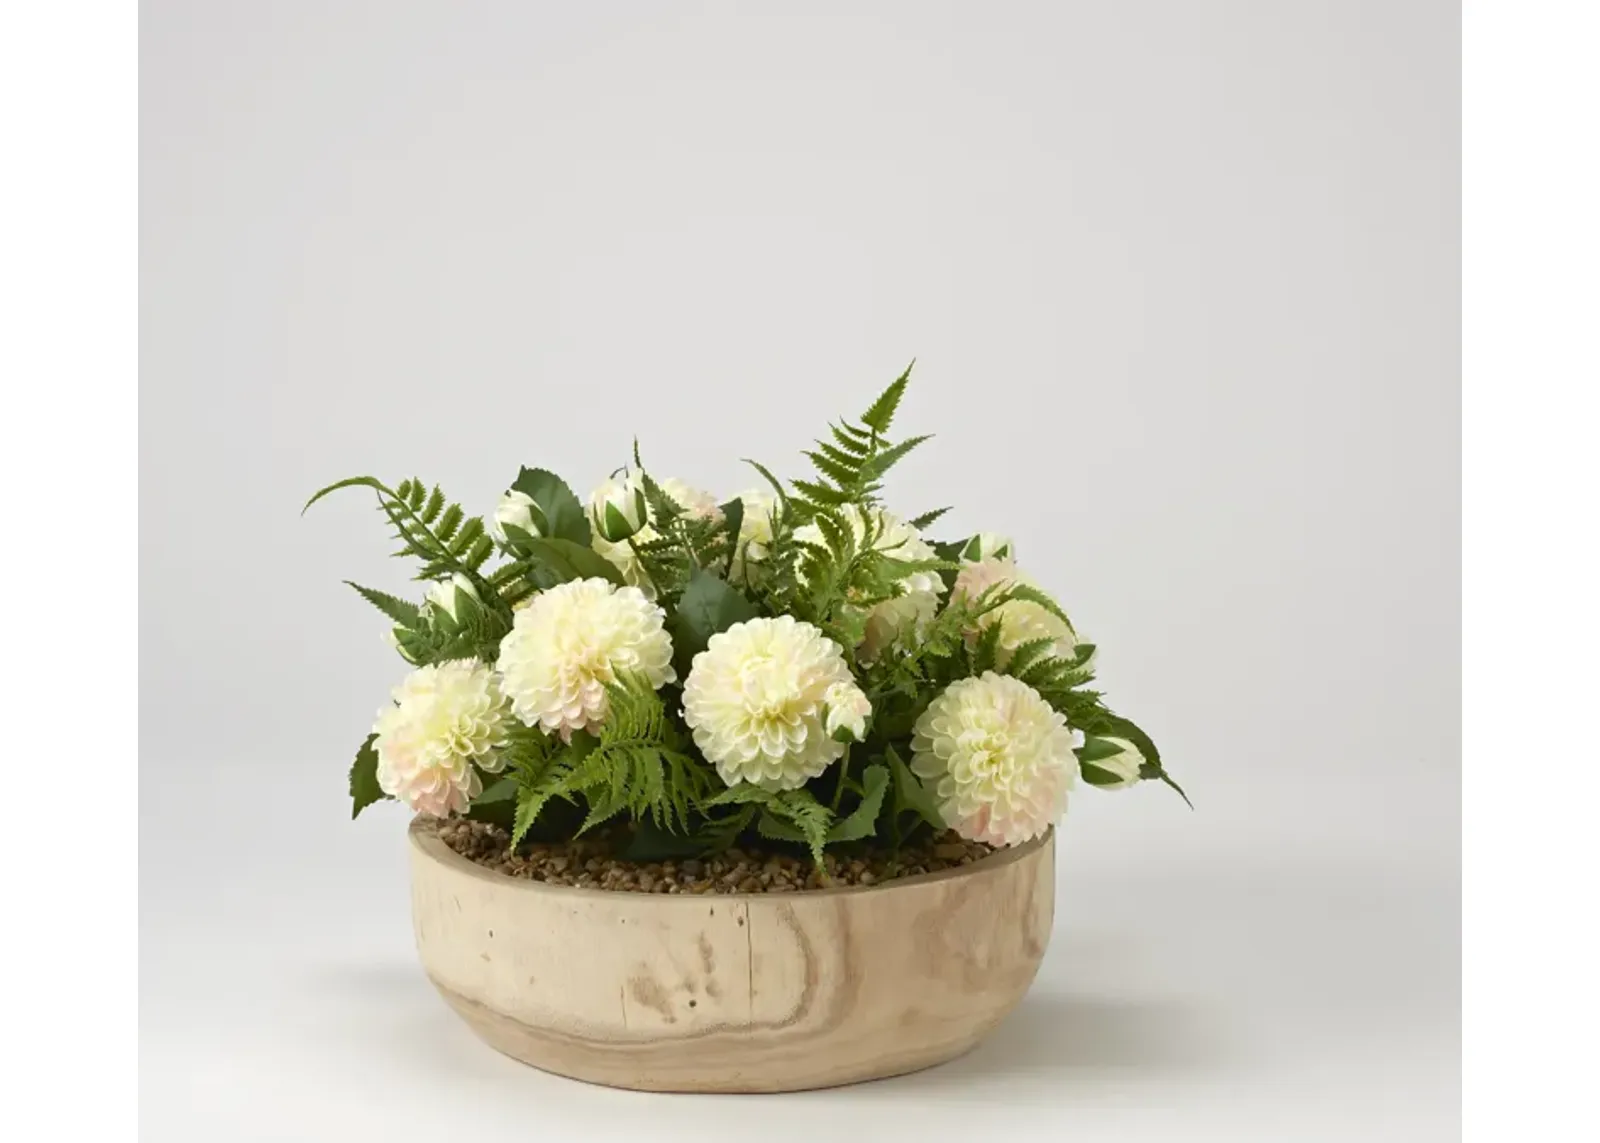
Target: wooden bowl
x=754, y=992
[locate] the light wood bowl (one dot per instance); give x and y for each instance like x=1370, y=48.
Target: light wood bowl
x=755, y=992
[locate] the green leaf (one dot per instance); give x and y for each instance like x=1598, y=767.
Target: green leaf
x=1167, y=778
x=408, y=615
x=1095, y=776
x=775, y=828
x=708, y=605
x=649, y=842
x=364, y=788
x=863, y=821
x=732, y=524
x=927, y=518
x=502, y=790
x=952, y=553
x=881, y=413
x=564, y=517
x=566, y=561
x=1106, y=723
x=496, y=804
x=910, y=794
x=1096, y=749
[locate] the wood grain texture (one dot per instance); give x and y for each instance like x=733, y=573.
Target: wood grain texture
x=738, y=993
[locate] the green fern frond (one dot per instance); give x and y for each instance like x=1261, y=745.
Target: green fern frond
x=430, y=511
x=1034, y=595
x=852, y=441
x=821, y=493
x=880, y=414
x=986, y=651
x=786, y=815
x=1027, y=653
x=880, y=462
x=445, y=529
x=436, y=541
x=404, y=613
x=842, y=470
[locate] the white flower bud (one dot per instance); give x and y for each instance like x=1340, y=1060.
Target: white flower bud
x=847, y=708
x=1110, y=763
x=618, y=508
x=988, y=546
x=517, y=510
x=443, y=595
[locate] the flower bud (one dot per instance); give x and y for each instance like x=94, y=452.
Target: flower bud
x=1110, y=763
x=618, y=509
x=445, y=597
x=988, y=546
x=391, y=639
x=516, y=510
x=847, y=710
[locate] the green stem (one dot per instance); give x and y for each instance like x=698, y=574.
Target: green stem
x=838, y=790
x=644, y=565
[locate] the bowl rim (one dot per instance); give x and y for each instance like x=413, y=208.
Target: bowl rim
x=423, y=832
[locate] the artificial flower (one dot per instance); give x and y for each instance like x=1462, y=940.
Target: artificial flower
x=517, y=510
x=574, y=640
x=442, y=595
x=1111, y=763
x=620, y=502
x=446, y=722
x=848, y=711
x=756, y=700
x=998, y=757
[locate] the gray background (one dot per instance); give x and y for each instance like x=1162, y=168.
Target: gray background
x=1181, y=280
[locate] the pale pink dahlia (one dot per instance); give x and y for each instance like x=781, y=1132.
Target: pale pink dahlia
x=446, y=721
x=999, y=759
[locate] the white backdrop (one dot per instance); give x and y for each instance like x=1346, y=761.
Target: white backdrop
x=1181, y=280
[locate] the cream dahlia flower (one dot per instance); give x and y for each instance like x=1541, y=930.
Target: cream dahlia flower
x=623, y=495
x=999, y=759
x=573, y=640
x=444, y=719
x=892, y=619
x=756, y=697
x=1021, y=620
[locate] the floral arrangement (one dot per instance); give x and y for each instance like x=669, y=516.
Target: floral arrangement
x=797, y=663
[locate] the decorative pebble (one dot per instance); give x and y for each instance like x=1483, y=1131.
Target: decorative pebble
x=587, y=863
